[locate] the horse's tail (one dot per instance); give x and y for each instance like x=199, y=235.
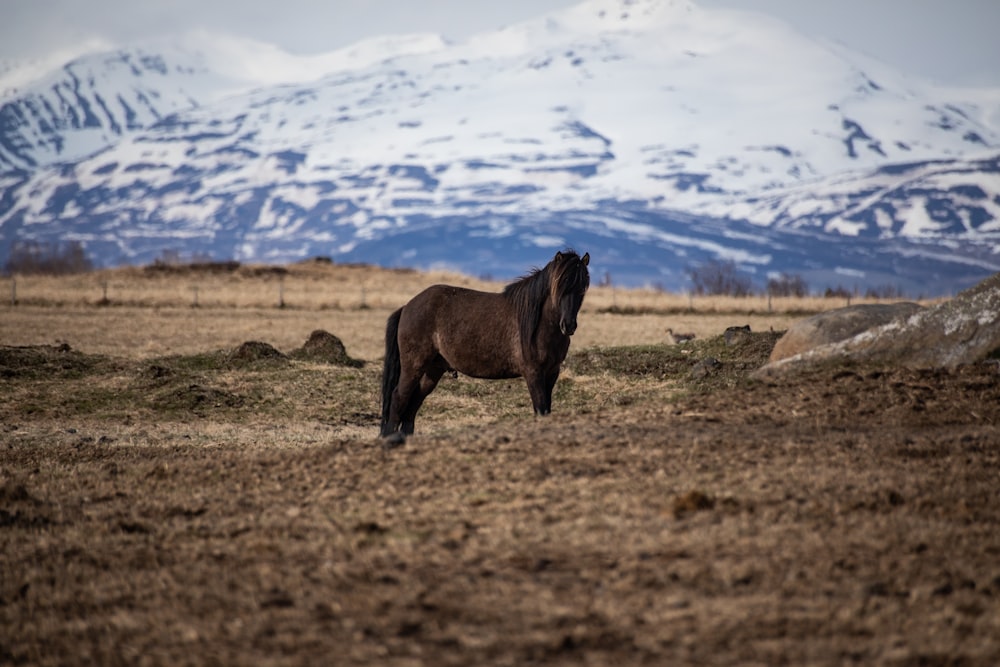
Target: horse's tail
x=391, y=368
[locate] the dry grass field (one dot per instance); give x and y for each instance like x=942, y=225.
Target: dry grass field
x=153, y=311
x=168, y=498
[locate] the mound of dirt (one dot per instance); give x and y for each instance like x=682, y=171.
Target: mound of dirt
x=44, y=361
x=323, y=346
x=195, y=398
x=255, y=351
x=700, y=364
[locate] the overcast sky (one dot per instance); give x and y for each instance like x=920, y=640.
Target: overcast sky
x=947, y=41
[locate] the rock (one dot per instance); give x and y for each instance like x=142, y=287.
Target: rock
x=964, y=330
x=736, y=335
x=837, y=325
x=704, y=368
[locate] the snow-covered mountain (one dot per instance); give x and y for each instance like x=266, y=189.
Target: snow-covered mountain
x=96, y=100
x=653, y=133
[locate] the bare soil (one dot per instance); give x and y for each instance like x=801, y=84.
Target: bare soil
x=205, y=509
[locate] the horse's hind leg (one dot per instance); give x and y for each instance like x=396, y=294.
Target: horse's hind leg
x=427, y=383
x=402, y=397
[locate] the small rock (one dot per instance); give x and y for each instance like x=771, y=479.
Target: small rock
x=692, y=501
x=736, y=335
x=705, y=367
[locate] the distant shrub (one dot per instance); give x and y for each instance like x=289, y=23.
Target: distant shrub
x=158, y=267
x=168, y=257
x=885, y=292
x=717, y=278
x=787, y=285
x=172, y=257
x=838, y=292
x=35, y=257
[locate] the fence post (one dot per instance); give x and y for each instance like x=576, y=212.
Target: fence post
x=13, y=291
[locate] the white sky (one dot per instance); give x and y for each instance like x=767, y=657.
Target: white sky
x=951, y=42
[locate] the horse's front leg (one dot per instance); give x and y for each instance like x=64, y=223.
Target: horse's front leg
x=550, y=385
x=540, y=390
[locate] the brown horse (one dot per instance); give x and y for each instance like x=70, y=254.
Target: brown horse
x=523, y=331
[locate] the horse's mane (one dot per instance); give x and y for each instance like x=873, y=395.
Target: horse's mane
x=528, y=296
x=529, y=293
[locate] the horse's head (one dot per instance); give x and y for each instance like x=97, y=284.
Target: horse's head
x=569, y=283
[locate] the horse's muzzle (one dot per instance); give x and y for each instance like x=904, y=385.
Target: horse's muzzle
x=568, y=328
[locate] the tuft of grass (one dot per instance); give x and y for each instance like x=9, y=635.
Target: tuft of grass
x=193, y=363
x=194, y=398
x=656, y=361
x=701, y=364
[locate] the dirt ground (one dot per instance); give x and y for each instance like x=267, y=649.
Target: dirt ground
x=183, y=512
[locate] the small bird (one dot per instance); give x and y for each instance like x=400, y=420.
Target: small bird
x=678, y=338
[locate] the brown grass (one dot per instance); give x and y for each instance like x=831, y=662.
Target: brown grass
x=151, y=310
x=165, y=501
x=314, y=285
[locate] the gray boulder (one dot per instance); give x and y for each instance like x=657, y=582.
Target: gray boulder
x=964, y=330
x=836, y=325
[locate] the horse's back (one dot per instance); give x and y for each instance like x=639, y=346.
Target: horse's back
x=473, y=331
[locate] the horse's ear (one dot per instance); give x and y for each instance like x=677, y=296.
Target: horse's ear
x=586, y=259
x=558, y=256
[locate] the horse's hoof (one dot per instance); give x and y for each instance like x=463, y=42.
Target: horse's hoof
x=393, y=440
